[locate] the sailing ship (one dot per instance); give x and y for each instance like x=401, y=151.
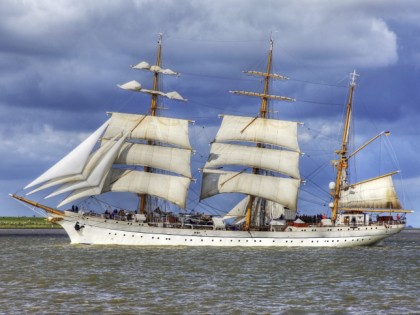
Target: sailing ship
x=150, y=156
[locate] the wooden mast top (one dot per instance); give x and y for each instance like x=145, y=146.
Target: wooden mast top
x=342, y=163
x=153, y=105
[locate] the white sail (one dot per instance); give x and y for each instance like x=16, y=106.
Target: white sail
x=282, y=161
x=171, y=188
x=96, y=176
x=238, y=211
x=274, y=210
x=374, y=193
x=277, y=189
x=259, y=130
x=93, y=161
x=74, y=162
x=167, y=130
x=83, y=192
x=165, y=158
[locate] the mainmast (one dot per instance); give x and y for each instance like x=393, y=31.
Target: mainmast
x=267, y=75
x=153, y=108
x=343, y=161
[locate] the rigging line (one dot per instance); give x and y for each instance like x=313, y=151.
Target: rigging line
x=318, y=169
x=214, y=40
x=239, y=78
x=316, y=83
x=218, y=211
x=41, y=212
x=313, y=202
x=317, y=102
x=319, y=188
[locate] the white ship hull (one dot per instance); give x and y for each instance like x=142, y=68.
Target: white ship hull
x=99, y=231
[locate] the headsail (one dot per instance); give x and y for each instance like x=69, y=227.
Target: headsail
x=74, y=162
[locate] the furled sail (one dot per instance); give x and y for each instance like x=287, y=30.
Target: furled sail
x=143, y=65
x=136, y=87
x=374, y=193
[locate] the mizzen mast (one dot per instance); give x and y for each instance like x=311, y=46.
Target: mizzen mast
x=263, y=113
x=342, y=164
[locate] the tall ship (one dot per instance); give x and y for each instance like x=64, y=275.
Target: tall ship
x=149, y=155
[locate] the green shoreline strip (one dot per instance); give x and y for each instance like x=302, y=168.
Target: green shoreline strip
x=27, y=223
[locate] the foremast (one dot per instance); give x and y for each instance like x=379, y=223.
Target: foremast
x=153, y=112
x=263, y=113
x=343, y=161
x=155, y=94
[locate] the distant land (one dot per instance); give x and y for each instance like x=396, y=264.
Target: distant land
x=27, y=223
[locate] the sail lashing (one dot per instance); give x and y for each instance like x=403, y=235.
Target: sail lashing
x=119, y=156
x=269, y=152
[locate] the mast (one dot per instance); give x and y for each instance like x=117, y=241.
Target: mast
x=343, y=161
x=153, y=108
x=268, y=75
x=263, y=114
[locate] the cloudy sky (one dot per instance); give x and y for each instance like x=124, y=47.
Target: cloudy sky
x=61, y=60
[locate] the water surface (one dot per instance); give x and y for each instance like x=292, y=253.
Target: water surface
x=44, y=274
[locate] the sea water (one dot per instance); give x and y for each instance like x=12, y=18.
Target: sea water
x=44, y=274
